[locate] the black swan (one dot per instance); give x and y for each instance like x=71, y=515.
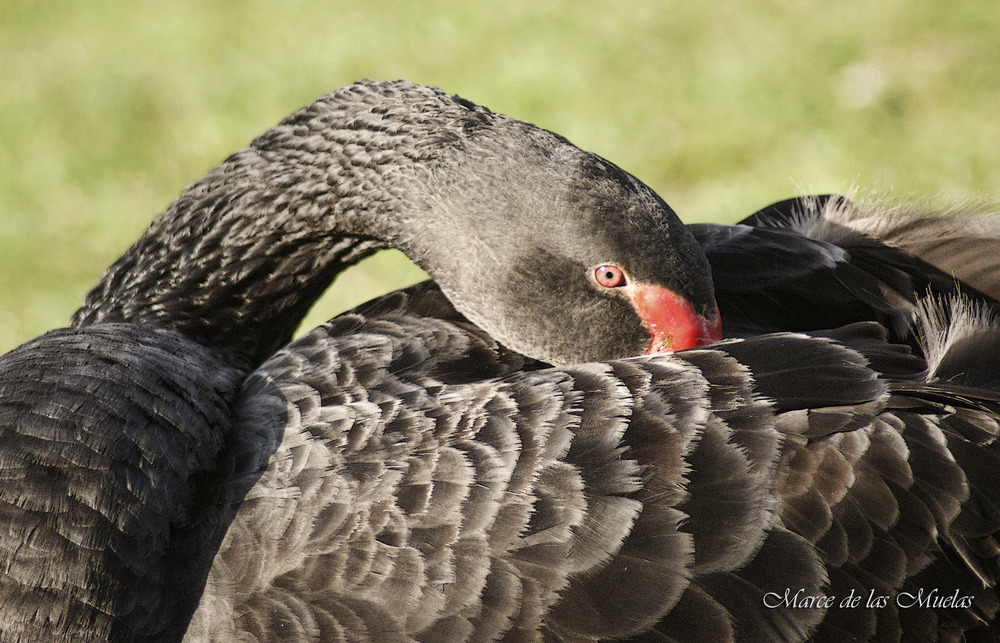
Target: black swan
x=491, y=457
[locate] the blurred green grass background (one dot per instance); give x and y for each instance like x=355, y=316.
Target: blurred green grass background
x=108, y=109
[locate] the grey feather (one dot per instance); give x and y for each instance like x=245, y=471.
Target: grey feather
x=485, y=458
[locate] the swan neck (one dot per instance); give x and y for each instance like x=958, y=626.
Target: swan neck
x=236, y=262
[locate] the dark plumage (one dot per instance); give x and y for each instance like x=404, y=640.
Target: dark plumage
x=455, y=462
x=822, y=261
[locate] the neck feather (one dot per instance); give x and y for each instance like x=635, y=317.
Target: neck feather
x=237, y=260
x=243, y=297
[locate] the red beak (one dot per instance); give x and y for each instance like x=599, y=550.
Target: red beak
x=672, y=321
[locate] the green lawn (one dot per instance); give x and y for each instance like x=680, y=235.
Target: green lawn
x=107, y=109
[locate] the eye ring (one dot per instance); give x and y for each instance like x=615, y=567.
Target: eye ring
x=610, y=276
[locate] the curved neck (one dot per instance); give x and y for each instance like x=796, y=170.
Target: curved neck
x=238, y=259
x=507, y=217
x=245, y=300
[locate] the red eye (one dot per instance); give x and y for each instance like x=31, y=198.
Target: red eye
x=610, y=276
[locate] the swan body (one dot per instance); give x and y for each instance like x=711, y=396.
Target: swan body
x=506, y=453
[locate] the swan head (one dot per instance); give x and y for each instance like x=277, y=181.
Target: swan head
x=515, y=223
x=556, y=252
